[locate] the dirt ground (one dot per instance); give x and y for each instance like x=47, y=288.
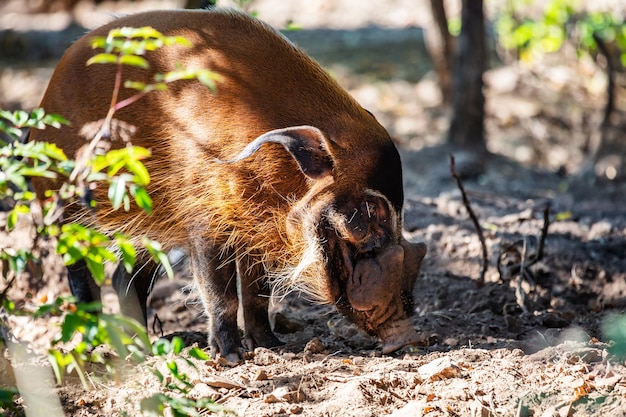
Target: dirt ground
x=488, y=353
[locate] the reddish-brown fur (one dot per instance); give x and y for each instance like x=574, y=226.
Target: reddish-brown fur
x=261, y=211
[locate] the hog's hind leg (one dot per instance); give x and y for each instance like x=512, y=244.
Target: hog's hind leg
x=133, y=289
x=82, y=283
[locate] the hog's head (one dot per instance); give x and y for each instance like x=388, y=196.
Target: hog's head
x=351, y=216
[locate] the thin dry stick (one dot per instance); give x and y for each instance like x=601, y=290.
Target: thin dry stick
x=479, y=230
x=544, y=231
x=519, y=292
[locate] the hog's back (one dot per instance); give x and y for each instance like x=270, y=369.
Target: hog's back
x=264, y=83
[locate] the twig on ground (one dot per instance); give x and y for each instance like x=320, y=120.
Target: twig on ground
x=470, y=211
x=519, y=292
x=531, y=253
x=231, y=393
x=544, y=231
x=5, y=291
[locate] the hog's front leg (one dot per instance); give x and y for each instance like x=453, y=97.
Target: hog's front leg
x=214, y=271
x=255, y=294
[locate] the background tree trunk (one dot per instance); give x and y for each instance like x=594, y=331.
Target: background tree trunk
x=468, y=101
x=440, y=45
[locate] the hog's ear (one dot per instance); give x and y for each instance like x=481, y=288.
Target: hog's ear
x=413, y=255
x=306, y=144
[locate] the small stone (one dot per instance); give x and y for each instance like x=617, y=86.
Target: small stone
x=314, y=346
x=221, y=382
x=261, y=376
x=280, y=394
x=270, y=399
x=451, y=341
x=439, y=369
x=202, y=390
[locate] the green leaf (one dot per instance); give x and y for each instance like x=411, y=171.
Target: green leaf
x=138, y=152
x=563, y=215
x=53, y=151
x=100, y=162
x=206, y=77
x=142, y=32
x=155, y=250
x=454, y=25
x=11, y=220
x=142, y=177
x=153, y=406
x=103, y=58
x=37, y=113
x=293, y=27
x=138, y=330
x=161, y=347
x=117, y=191
x=12, y=131
x=148, y=45
x=208, y=80
x=98, y=42
x=137, y=354
x=116, y=335
x=21, y=117
x=116, y=164
x=97, y=269
x=71, y=254
x=77, y=365
x=7, y=396
x=56, y=361
x=129, y=254
x=92, y=308
x=13, y=216
x=71, y=325
x=159, y=375
x=177, y=345
x=173, y=367
x=126, y=202
x=180, y=40
x=134, y=61
x=135, y=85
x=143, y=199
x=184, y=74
x=199, y=354
x=54, y=120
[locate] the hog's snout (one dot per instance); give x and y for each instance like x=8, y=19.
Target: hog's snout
x=377, y=287
x=375, y=283
x=398, y=334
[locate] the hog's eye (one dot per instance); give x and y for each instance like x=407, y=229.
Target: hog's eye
x=366, y=224
x=370, y=209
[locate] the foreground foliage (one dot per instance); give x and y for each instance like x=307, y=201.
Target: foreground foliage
x=122, y=171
